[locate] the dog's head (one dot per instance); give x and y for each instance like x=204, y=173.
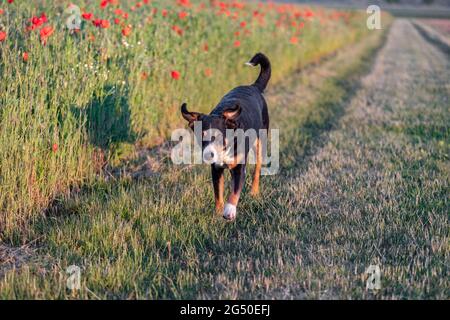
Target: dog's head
x=214, y=143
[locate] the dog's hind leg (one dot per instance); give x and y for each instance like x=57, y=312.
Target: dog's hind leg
x=255, y=185
x=218, y=184
x=237, y=183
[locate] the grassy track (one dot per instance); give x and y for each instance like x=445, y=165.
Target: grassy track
x=88, y=98
x=364, y=180
x=158, y=237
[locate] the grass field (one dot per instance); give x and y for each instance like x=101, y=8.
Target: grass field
x=86, y=99
x=364, y=135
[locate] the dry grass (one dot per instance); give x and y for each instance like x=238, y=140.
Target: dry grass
x=364, y=180
x=86, y=92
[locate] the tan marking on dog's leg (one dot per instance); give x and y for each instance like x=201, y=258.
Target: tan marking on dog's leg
x=255, y=185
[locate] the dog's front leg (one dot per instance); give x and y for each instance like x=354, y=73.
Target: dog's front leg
x=218, y=184
x=237, y=183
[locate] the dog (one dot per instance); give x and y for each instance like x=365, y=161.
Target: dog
x=244, y=108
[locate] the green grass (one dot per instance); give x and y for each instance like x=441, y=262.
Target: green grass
x=159, y=238
x=363, y=180
x=89, y=97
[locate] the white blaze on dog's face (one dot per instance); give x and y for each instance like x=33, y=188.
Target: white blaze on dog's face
x=216, y=149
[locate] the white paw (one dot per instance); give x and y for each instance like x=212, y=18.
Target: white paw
x=229, y=212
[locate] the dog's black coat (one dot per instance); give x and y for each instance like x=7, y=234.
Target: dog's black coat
x=245, y=108
x=247, y=100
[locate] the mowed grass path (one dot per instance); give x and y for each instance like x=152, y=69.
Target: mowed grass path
x=371, y=191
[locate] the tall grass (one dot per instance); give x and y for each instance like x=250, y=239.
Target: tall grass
x=88, y=97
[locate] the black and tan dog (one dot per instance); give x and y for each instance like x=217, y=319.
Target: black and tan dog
x=244, y=108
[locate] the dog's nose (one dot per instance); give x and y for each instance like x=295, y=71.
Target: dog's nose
x=210, y=155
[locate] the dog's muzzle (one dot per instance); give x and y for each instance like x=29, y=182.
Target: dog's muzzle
x=217, y=154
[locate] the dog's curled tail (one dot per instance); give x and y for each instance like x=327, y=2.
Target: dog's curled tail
x=264, y=75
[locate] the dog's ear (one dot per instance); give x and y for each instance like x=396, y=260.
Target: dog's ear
x=232, y=113
x=189, y=116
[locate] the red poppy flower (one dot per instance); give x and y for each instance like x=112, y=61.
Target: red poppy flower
x=175, y=74
x=54, y=147
x=126, y=31
x=2, y=36
x=178, y=30
x=87, y=16
x=104, y=3
x=25, y=56
x=237, y=43
x=97, y=22
x=118, y=12
x=2, y=11
x=144, y=75
x=100, y=23
x=182, y=14
x=294, y=40
x=116, y=21
x=45, y=33
x=105, y=24
x=164, y=12
x=205, y=47
x=243, y=24
x=208, y=72
x=10, y=1
x=38, y=21
x=184, y=3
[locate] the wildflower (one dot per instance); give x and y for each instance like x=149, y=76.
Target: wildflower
x=175, y=74
x=2, y=36
x=205, y=47
x=105, y=24
x=208, y=72
x=87, y=16
x=294, y=40
x=182, y=15
x=45, y=33
x=100, y=23
x=38, y=21
x=184, y=3
x=144, y=75
x=10, y=1
x=164, y=12
x=55, y=147
x=126, y=31
x=178, y=30
x=97, y=22
x=25, y=56
x=237, y=43
x=104, y=3
x=2, y=11
x=118, y=12
x=116, y=21
x=243, y=24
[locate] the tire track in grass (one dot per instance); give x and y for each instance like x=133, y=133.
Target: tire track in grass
x=377, y=193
